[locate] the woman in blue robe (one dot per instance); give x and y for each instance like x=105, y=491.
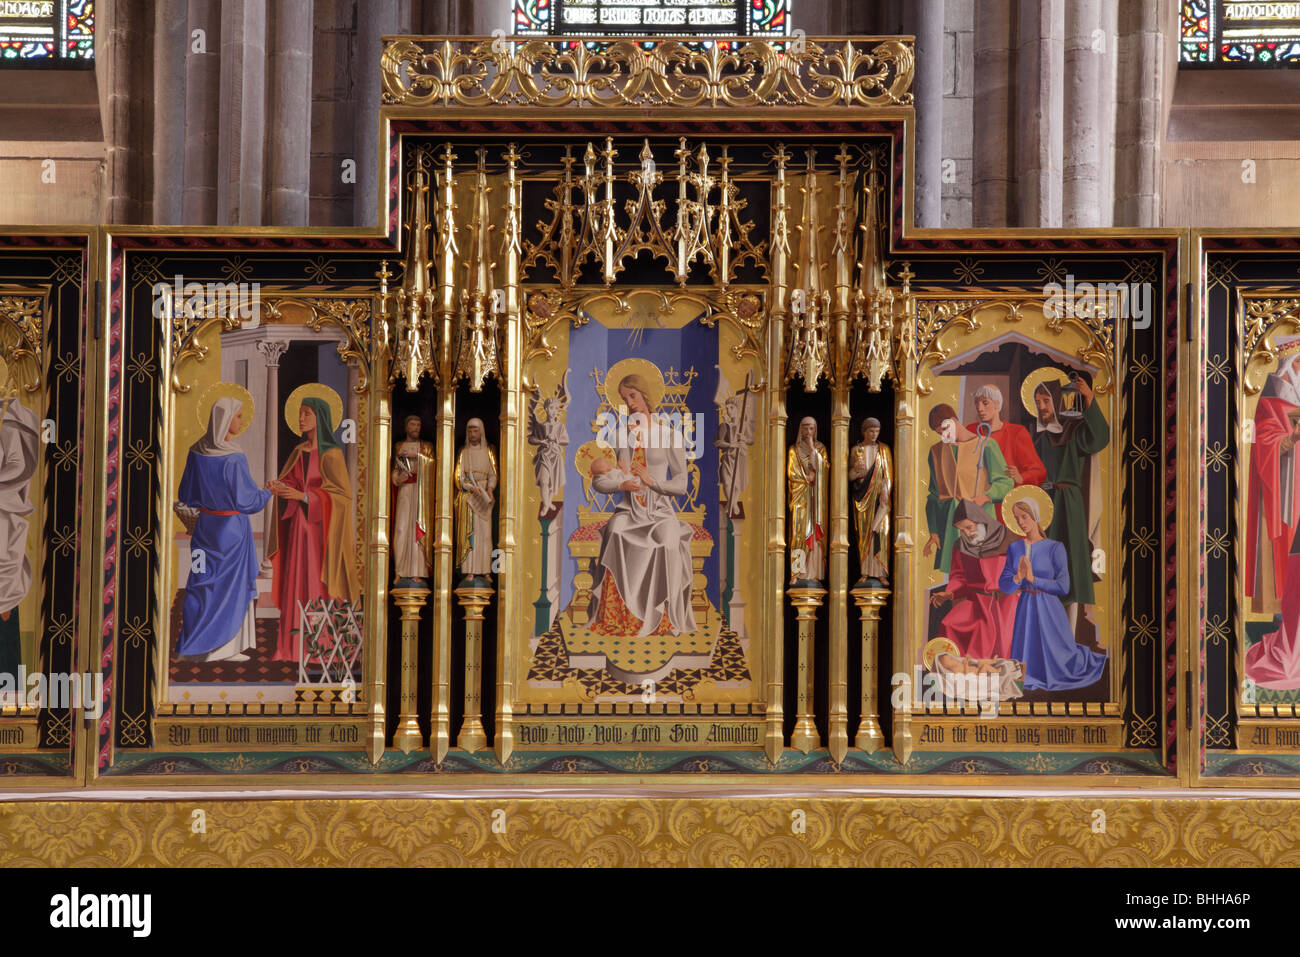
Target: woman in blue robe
x=217, y=616
x=1038, y=568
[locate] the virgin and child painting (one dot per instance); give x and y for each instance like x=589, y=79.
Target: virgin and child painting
x=1271, y=559
x=268, y=596
x=1016, y=455
x=643, y=558
x=21, y=516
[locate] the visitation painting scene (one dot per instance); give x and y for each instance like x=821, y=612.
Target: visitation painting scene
x=268, y=519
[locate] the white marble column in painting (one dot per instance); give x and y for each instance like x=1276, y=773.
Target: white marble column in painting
x=271, y=350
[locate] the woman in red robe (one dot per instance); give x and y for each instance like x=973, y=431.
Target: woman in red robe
x=310, y=536
x=982, y=616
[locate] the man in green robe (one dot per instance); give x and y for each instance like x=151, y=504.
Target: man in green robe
x=1064, y=445
x=963, y=465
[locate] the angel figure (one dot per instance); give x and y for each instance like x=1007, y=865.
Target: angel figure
x=550, y=436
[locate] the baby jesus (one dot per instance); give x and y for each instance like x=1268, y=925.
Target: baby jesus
x=960, y=678
x=966, y=666
x=607, y=478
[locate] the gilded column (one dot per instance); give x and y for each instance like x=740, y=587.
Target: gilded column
x=377, y=577
x=512, y=471
x=475, y=601
x=906, y=499
x=774, y=572
x=806, y=601
x=870, y=601
x=838, y=568
x=443, y=572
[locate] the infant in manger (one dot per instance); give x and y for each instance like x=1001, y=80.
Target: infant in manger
x=953, y=671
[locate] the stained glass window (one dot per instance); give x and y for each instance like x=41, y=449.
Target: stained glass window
x=47, y=33
x=1239, y=33
x=756, y=18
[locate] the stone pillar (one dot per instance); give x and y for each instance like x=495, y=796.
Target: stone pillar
x=289, y=143
x=816, y=17
x=169, y=62
x=463, y=17
x=202, y=111
x=994, y=184
x=374, y=19
x=958, y=114
x=925, y=20
x=1087, y=49
x=481, y=17
x=242, y=125
x=124, y=27
x=1139, y=95
x=1106, y=106
x=333, y=112
x=1040, y=66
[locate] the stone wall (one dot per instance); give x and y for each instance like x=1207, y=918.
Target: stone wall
x=264, y=112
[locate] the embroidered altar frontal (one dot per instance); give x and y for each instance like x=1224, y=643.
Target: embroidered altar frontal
x=644, y=435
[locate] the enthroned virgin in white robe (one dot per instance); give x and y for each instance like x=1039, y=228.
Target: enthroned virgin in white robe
x=645, y=548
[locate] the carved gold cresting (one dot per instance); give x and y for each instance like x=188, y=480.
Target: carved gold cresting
x=27, y=315
x=476, y=72
x=873, y=301
x=1263, y=319
x=413, y=325
x=810, y=301
x=477, y=358
x=585, y=226
x=352, y=315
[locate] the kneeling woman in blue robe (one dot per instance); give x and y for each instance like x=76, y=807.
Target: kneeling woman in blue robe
x=1038, y=568
x=217, y=616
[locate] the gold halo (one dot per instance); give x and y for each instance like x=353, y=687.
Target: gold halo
x=1288, y=348
x=1022, y=492
x=654, y=381
x=587, y=454
x=1041, y=374
x=312, y=390
x=226, y=390
x=936, y=647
